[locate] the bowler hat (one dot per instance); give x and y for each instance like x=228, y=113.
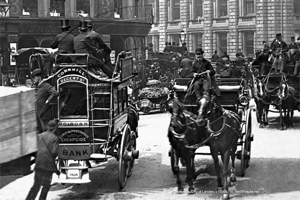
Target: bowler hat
x=83, y=25
x=64, y=23
x=51, y=125
x=278, y=35
x=264, y=42
x=199, y=51
x=89, y=23
x=292, y=37
x=36, y=72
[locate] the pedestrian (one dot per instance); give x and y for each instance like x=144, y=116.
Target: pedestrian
x=215, y=57
x=45, y=162
x=44, y=94
x=84, y=44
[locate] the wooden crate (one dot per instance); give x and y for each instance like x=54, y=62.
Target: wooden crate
x=18, y=135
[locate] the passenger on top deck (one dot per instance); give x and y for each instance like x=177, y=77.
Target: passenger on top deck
x=83, y=44
x=102, y=50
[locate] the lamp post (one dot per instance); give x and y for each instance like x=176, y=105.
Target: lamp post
x=4, y=7
x=182, y=36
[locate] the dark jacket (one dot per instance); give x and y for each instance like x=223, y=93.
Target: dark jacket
x=198, y=67
x=44, y=92
x=215, y=57
x=240, y=61
x=64, y=42
x=80, y=44
x=47, y=151
x=293, y=46
x=98, y=42
x=277, y=46
x=202, y=67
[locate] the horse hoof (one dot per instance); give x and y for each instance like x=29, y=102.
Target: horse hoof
x=233, y=179
x=192, y=191
x=180, y=191
x=225, y=196
x=261, y=126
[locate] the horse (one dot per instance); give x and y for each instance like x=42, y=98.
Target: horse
x=181, y=130
x=262, y=101
x=224, y=128
x=286, y=95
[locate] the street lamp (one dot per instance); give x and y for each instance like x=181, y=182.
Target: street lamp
x=182, y=36
x=4, y=7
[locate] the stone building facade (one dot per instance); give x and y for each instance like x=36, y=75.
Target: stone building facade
x=223, y=25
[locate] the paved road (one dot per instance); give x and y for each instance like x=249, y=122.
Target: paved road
x=273, y=173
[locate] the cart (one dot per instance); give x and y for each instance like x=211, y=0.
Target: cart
x=149, y=102
x=233, y=97
x=92, y=114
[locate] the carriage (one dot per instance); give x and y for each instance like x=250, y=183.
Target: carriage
x=93, y=120
x=234, y=97
x=272, y=85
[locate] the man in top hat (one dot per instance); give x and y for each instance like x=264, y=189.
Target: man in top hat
x=44, y=94
x=279, y=49
x=45, y=162
x=83, y=44
x=64, y=40
x=201, y=83
x=102, y=50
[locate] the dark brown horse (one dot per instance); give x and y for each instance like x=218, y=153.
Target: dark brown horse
x=182, y=129
x=224, y=128
x=262, y=101
x=286, y=95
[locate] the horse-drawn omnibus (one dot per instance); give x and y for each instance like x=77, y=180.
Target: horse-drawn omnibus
x=95, y=119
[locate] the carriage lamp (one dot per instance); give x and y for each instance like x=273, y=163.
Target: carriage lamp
x=182, y=36
x=244, y=99
x=4, y=7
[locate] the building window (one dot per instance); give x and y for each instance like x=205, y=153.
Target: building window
x=222, y=8
x=198, y=8
x=175, y=6
x=249, y=43
x=296, y=7
x=197, y=43
x=30, y=8
x=222, y=42
x=83, y=8
x=57, y=8
x=156, y=11
x=248, y=7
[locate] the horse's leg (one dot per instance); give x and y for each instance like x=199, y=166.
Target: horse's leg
x=232, y=155
x=226, y=157
x=190, y=172
x=281, y=117
x=176, y=171
x=292, y=115
x=214, y=154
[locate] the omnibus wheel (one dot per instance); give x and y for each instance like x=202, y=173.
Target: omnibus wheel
x=124, y=164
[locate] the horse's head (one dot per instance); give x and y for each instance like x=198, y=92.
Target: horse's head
x=260, y=88
x=283, y=90
x=207, y=108
x=176, y=108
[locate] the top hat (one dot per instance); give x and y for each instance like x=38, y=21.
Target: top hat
x=199, y=51
x=64, y=23
x=89, y=23
x=51, y=125
x=36, y=72
x=83, y=25
x=264, y=42
x=278, y=35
